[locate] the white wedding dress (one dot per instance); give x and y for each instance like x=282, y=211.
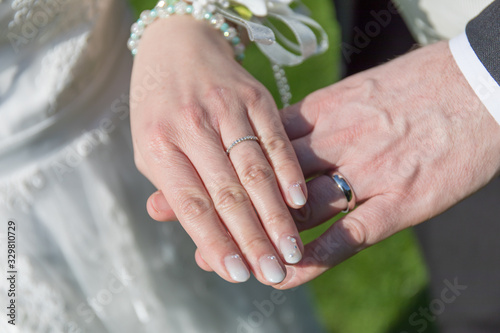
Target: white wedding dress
x=434, y=20
x=88, y=257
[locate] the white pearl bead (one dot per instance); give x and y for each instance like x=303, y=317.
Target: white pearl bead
x=198, y=14
x=180, y=8
x=217, y=21
x=230, y=33
x=146, y=17
x=132, y=44
x=137, y=29
x=162, y=13
x=282, y=83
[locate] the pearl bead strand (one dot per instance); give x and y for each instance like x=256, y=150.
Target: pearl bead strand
x=166, y=8
x=282, y=83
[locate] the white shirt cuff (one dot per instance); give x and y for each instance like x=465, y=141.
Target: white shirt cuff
x=484, y=85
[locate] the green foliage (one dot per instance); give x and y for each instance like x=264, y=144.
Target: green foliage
x=374, y=291
x=378, y=289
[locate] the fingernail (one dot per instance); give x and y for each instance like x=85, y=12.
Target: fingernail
x=159, y=202
x=271, y=269
x=236, y=268
x=297, y=195
x=290, y=250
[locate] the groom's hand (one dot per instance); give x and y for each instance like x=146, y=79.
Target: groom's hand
x=412, y=139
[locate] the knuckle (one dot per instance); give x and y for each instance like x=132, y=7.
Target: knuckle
x=218, y=96
x=287, y=165
x=273, y=127
x=256, y=174
x=194, y=206
x=276, y=143
x=158, y=143
x=352, y=134
x=325, y=99
x=277, y=219
x=255, y=95
x=221, y=101
x=194, y=117
x=259, y=243
x=222, y=241
x=230, y=197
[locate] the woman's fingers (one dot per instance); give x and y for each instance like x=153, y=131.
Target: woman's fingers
x=242, y=188
x=229, y=191
x=370, y=223
x=259, y=180
x=196, y=212
x=279, y=151
x=258, y=237
x=255, y=188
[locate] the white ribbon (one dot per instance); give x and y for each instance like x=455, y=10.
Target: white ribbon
x=260, y=7
x=271, y=41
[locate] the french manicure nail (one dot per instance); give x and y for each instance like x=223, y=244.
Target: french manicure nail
x=271, y=269
x=297, y=195
x=236, y=268
x=290, y=250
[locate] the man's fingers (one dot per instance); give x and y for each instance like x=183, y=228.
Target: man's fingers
x=326, y=200
x=307, y=148
x=159, y=209
x=295, y=123
x=370, y=223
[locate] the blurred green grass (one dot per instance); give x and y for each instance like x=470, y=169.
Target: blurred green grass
x=378, y=289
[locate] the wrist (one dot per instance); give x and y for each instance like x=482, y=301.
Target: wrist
x=471, y=107
x=172, y=10
x=183, y=34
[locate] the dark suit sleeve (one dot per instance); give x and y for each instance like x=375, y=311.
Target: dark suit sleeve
x=483, y=33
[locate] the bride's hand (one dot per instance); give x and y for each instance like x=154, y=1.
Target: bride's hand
x=411, y=137
x=189, y=101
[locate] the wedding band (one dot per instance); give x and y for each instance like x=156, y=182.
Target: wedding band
x=240, y=140
x=346, y=188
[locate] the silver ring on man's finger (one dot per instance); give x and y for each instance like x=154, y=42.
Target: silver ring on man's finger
x=346, y=189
